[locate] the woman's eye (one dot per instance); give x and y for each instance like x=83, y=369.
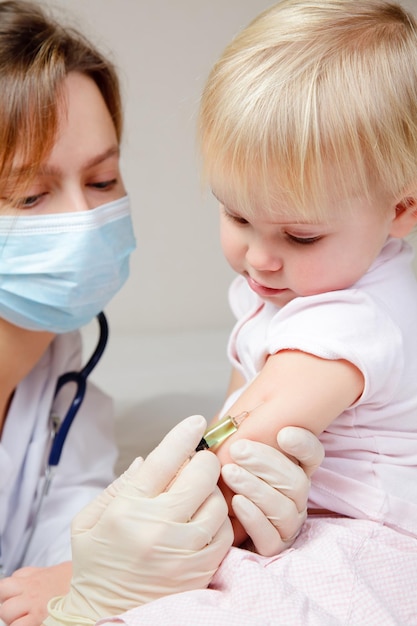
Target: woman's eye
x=29, y=202
x=104, y=184
x=303, y=240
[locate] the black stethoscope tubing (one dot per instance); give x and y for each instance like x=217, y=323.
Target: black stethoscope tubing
x=61, y=428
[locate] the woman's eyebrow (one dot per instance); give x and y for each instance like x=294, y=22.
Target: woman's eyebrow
x=113, y=151
x=107, y=154
x=19, y=172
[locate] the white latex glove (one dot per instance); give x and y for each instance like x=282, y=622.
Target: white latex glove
x=161, y=528
x=271, y=489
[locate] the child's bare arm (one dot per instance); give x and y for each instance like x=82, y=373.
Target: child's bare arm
x=293, y=389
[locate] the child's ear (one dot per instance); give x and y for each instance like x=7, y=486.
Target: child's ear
x=405, y=216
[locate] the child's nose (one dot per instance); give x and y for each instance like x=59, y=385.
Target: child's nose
x=264, y=256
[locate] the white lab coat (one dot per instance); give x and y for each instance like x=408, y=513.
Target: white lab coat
x=86, y=465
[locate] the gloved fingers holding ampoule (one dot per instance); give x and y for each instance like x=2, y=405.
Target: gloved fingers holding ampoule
x=161, y=528
x=272, y=489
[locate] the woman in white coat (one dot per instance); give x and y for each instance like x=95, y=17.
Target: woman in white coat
x=65, y=240
x=84, y=469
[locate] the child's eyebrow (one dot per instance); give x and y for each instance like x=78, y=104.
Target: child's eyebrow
x=231, y=210
x=287, y=223
x=216, y=196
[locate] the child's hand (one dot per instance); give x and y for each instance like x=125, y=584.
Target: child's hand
x=24, y=595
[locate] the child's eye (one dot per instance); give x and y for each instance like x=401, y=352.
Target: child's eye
x=303, y=240
x=238, y=220
x=235, y=218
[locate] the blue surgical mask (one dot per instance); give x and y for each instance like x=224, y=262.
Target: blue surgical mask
x=58, y=271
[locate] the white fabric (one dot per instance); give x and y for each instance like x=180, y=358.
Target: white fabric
x=339, y=572
x=370, y=467
x=86, y=465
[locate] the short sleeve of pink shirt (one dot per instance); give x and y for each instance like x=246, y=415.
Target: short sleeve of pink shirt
x=346, y=324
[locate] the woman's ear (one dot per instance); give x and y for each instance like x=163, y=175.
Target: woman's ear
x=405, y=216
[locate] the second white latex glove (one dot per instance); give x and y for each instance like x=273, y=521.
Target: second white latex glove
x=161, y=528
x=272, y=489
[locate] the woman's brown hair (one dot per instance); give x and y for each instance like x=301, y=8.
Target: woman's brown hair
x=36, y=54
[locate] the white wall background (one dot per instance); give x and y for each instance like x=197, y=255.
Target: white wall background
x=164, y=50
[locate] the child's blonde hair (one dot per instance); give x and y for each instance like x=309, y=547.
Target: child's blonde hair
x=313, y=95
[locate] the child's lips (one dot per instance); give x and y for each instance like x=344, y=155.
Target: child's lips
x=262, y=290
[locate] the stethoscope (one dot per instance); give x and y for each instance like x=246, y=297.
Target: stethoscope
x=60, y=428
